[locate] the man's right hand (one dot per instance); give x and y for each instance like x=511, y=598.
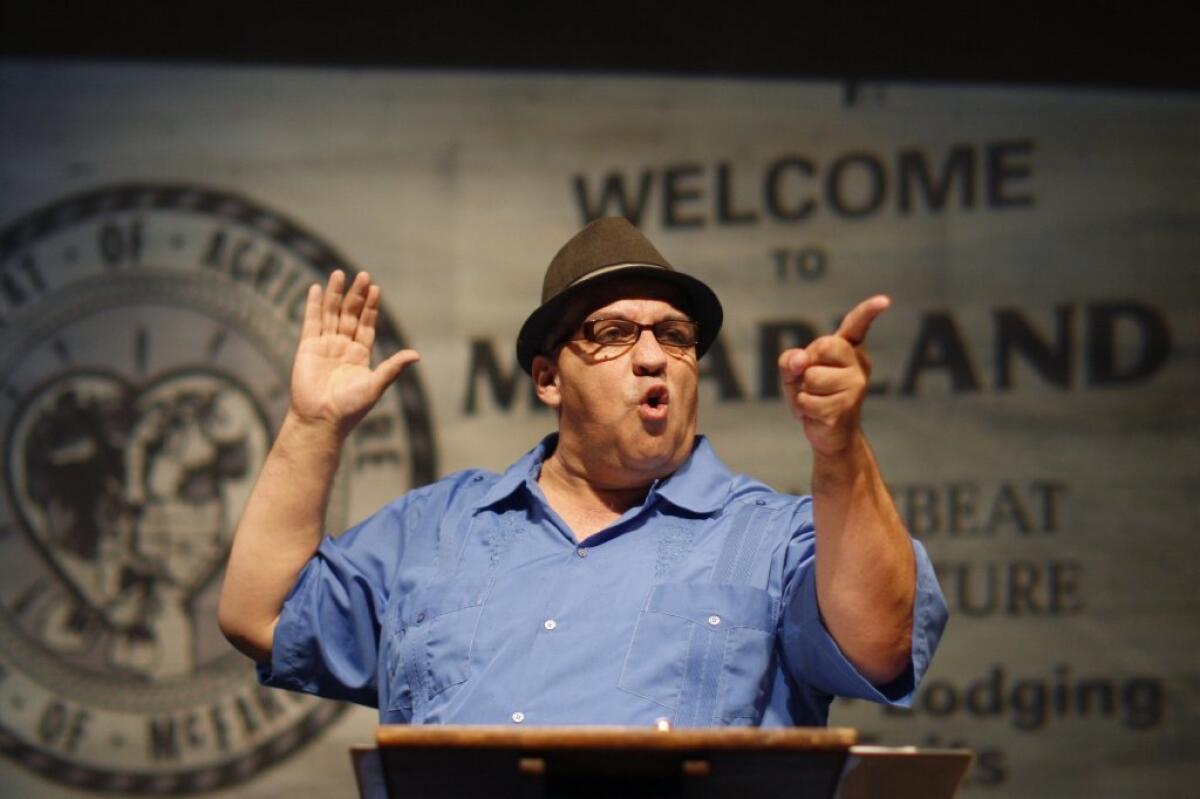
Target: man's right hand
x=333, y=388
x=332, y=380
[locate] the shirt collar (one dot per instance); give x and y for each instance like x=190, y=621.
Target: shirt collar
x=700, y=485
x=524, y=471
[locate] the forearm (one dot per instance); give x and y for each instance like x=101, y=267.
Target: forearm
x=280, y=529
x=866, y=572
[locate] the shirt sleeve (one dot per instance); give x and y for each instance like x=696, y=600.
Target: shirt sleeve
x=813, y=655
x=327, y=637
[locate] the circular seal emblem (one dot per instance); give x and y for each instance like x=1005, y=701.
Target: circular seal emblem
x=146, y=337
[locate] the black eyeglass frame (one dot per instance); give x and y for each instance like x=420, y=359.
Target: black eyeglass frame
x=589, y=333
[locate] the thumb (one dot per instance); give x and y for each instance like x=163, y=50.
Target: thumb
x=386, y=373
x=792, y=364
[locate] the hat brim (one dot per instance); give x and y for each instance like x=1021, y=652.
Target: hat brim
x=703, y=306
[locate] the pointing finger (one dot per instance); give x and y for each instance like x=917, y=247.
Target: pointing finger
x=792, y=364
x=855, y=324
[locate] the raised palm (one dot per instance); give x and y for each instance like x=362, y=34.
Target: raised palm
x=332, y=378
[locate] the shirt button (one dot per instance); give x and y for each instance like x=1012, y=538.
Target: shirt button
x=518, y=717
x=714, y=620
x=550, y=624
x=420, y=618
x=581, y=552
x=760, y=502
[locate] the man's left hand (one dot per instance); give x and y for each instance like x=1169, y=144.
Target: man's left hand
x=826, y=382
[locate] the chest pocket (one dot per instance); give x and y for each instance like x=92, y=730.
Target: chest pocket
x=703, y=651
x=432, y=633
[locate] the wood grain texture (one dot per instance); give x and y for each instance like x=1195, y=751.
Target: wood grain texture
x=489, y=737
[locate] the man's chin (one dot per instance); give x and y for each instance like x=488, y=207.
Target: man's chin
x=656, y=427
x=659, y=453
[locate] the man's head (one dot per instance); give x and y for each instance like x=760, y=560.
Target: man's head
x=617, y=352
x=606, y=253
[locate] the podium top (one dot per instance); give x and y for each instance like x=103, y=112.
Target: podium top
x=643, y=738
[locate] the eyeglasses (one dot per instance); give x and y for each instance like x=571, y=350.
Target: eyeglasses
x=673, y=334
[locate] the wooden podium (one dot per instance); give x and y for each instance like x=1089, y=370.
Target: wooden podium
x=432, y=762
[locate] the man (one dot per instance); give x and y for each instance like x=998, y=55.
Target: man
x=617, y=573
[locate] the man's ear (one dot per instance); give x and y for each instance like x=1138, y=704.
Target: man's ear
x=545, y=381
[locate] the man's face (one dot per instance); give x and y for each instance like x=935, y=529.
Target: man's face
x=627, y=413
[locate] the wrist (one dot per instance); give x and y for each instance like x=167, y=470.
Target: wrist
x=308, y=436
x=843, y=465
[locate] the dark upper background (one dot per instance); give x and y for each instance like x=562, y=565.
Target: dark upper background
x=1094, y=45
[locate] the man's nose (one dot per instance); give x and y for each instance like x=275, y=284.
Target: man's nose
x=649, y=358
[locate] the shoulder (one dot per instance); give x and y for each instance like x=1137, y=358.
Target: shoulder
x=705, y=475
x=462, y=488
x=746, y=491
x=471, y=489
x=412, y=516
x=788, y=516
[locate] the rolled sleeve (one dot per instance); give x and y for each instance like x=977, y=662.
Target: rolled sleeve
x=327, y=638
x=816, y=658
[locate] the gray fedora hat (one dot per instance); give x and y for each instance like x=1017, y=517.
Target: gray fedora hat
x=610, y=249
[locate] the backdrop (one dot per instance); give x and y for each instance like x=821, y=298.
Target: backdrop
x=1033, y=405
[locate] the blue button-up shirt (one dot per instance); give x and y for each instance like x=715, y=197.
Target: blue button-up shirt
x=469, y=601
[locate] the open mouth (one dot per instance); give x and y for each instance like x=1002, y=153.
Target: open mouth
x=655, y=398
